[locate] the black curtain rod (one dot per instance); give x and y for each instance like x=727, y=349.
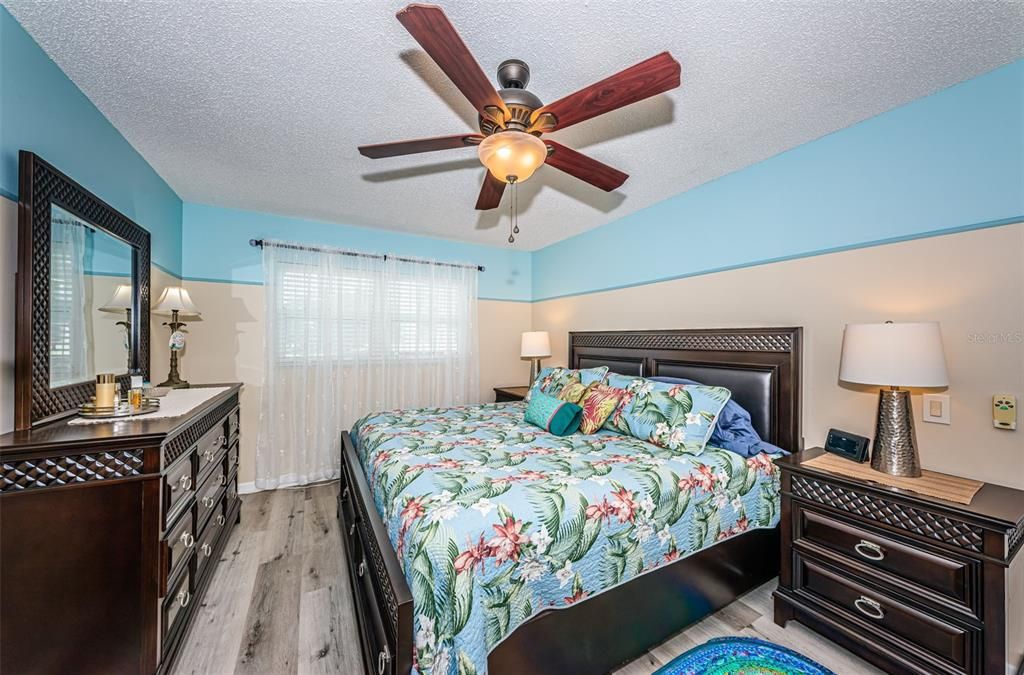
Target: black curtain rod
x=260, y=243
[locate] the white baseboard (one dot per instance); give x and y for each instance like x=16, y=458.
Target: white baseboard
x=250, y=488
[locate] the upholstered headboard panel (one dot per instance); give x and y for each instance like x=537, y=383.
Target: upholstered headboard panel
x=761, y=366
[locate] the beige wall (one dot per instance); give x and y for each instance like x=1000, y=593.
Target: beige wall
x=227, y=346
x=972, y=282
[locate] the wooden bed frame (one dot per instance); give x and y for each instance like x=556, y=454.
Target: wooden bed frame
x=761, y=366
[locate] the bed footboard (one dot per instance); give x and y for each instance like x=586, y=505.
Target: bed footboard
x=383, y=602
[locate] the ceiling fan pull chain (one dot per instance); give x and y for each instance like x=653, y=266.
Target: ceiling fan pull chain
x=515, y=198
x=514, y=228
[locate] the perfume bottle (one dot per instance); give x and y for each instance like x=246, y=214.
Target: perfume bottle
x=135, y=393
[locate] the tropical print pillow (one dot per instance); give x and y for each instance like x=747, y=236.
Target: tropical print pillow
x=679, y=417
x=553, y=380
x=598, y=402
x=573, y=391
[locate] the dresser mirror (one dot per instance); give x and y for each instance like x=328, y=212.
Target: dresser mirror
x=83, y=294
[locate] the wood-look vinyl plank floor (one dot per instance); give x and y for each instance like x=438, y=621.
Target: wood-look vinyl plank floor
x=280, y=603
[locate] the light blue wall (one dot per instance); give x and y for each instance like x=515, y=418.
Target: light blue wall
x=216, y=245
x=43, y=111
x=947, y=162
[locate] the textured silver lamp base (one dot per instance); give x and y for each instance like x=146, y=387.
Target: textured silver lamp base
x=534, y=370
x=895, y=448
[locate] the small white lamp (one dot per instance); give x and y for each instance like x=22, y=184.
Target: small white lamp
x=894, y=354
x=175, y=301
x=535, y=346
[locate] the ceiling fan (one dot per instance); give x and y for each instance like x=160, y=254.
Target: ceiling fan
x=512, y=119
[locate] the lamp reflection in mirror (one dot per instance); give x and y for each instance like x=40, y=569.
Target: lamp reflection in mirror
x=176, y=302
x=121, y=301
x=535, y=346
x=894, y=354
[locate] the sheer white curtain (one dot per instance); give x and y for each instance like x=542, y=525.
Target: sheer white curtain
x=350, y=334
x=68, y=343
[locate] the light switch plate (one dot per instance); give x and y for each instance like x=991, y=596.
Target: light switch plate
x=936, y=408
x=1004, y=411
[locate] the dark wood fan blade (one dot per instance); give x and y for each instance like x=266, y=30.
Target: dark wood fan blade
x=435, y=33
x=583, y=167
x=490, y=193
x=419, y=145
x=647, y=78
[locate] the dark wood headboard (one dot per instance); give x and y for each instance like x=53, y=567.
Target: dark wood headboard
x=761, y=366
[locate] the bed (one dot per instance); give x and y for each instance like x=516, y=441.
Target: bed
x=477, y=543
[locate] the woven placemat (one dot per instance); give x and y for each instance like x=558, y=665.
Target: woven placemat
x=931, y=483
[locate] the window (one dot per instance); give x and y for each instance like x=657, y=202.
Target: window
x=327, y=315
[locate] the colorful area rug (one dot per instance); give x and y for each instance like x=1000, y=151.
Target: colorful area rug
x=742, y=656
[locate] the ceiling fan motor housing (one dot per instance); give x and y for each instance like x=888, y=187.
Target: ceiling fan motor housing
x=513, y=76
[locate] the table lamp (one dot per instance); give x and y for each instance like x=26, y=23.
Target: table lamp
x=894, y=354
x=535, y=346
x=121, y=302
x=175, y=301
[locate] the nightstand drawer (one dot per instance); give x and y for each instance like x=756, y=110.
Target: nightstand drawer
x=941, y=574
x=943, y=645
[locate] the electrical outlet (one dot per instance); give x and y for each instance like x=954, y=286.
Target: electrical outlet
x=936, y=408
x=1004, y=411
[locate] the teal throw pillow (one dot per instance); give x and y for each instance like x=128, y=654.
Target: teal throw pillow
x=553, y=415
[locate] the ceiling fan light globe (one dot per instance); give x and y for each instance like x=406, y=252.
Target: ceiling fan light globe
x=512, y=154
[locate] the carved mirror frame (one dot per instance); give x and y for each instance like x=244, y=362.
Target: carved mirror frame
x=39, y=186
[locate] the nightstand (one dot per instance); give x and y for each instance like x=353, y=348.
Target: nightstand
x=503, y=394
x=911, y=583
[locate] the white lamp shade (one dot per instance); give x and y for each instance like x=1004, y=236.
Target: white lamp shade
x=175, y=297
x=536, y=345
x=896, y=354
x=120, y=301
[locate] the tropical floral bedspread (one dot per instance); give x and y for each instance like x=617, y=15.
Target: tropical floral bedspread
x=495, y=520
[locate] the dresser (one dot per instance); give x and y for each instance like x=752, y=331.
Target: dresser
x=109, y=535
x=910, y=583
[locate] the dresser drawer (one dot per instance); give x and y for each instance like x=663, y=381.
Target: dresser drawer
x=177, y=546
x=231, y=458
x=178, y=485
x=209, y=448
x=942, y=574
x=208, y=497
x=233, y=423
x=209, y=538
x=943, y=645
x=172, y=614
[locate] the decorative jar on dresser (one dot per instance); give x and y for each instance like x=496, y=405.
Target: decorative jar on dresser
x=911, y=583
x=110, y=534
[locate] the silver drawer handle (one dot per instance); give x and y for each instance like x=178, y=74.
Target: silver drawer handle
x=383, y=658
x=208, y=455
x=351, y=529
x=184, y=597
x=207, y=550
x=344, y=494
x=220, y=519
x=223, y=480
x=869, y=608
x=362, y=568
x=209, y=502
x=186, y=482
x=869, y=550
x=187, y=539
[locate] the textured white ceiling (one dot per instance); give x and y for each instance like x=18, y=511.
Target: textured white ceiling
x=260, y=105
